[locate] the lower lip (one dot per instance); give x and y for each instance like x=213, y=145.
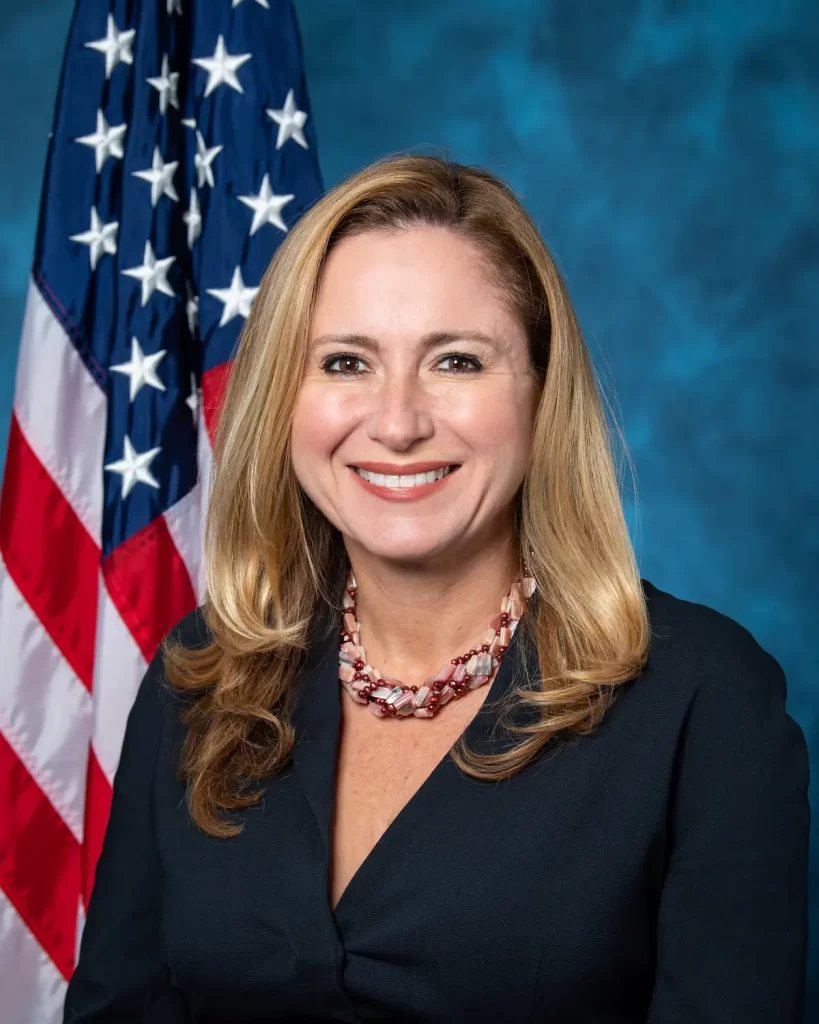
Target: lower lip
x=403, y=493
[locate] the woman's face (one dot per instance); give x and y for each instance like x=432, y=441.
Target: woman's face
x=413, y=359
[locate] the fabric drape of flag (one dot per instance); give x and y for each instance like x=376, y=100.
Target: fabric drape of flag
x=182, y=151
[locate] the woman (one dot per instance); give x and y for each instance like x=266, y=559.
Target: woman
x=596, y=810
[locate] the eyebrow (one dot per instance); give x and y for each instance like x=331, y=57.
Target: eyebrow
x=425, y=343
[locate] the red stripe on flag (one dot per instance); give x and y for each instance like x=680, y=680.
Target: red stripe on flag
x=97, y=808
x=39, y=861
x=49, y=555
x=214, y=383
x=149, y=584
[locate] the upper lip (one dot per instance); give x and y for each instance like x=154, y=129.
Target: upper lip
x=402, y=469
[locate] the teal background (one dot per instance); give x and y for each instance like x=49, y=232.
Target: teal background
x=669, y=153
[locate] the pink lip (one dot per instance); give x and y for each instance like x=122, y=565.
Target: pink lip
x=402, y=493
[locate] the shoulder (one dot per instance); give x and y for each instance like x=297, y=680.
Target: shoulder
x=740, y=760
x=689, y=632
x=191, y=630
x=709, y=660
x=156, y=699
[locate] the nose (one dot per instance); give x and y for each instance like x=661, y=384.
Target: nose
x=400, y=414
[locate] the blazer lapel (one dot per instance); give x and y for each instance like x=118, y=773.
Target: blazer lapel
x=316, y=719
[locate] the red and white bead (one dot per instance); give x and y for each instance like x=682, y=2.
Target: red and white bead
x=386, y=697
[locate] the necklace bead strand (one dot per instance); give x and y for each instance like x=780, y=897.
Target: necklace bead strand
x=388, y=697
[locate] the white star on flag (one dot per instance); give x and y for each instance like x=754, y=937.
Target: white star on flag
x=141, y=369
x=166, y=85
x=134, y=468
x=116, y=46
x=106, y=141
x=192, y=309
x=202, y=160
x=192, y=401
x=237, y=299
x=290, y=120
x=153, y=274
x=267, y=207
x=160, y=176
x=193, y=219
x=100, y=238
x=222, y=67
x=174, y=6
x=189, y=122
x=261, y=3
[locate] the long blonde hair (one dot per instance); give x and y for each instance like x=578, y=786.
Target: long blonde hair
x=273, y=560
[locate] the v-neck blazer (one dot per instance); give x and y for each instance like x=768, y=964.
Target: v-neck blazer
x=654, y=870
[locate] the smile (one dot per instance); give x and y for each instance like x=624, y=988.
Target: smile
x=415, y=480
x=403, y=488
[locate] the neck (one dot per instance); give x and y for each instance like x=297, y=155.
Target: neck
x=415, y=618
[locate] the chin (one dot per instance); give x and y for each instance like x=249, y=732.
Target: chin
x=417, y=551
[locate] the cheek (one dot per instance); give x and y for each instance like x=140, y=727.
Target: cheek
x=498, y=424
x=320, y=421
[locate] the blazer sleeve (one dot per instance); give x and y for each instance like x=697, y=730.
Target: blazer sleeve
x=121, y=975
x=732, y=922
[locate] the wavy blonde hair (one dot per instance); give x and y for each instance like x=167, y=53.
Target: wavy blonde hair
x=273, y=560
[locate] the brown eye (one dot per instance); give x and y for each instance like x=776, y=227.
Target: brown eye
x=345, y=358
x=474, y=364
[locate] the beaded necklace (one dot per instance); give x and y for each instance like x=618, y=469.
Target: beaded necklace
x=388, y=697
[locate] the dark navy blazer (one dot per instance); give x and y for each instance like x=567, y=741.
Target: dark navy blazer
x=652, y=871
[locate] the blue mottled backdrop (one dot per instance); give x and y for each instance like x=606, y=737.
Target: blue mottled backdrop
x=669, y=152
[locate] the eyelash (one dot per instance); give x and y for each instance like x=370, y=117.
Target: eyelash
x=329, y=360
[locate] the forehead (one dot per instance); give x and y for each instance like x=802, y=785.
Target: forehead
x=380, y=281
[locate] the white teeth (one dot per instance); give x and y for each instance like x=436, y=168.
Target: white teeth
x=382, y=480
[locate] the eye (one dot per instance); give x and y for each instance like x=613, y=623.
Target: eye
x=476, y=363
x=343, y=357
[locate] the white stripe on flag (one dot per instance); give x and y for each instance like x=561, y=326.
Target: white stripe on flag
x=184, y=525
x=62, y=411
x=118, y=669
x=33, y=990
x=45, y=711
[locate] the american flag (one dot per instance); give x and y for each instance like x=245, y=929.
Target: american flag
x=182, y=151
